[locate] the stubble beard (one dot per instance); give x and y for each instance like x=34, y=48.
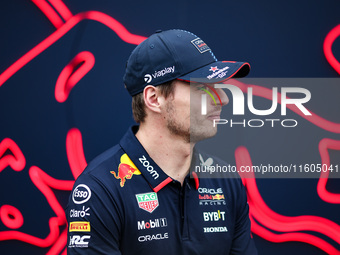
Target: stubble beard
x=175, y=127
x=193, y=133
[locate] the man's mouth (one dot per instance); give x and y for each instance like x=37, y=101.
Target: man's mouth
x=214, y=115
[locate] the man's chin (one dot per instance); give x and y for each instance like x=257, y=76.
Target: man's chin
x=202, y=134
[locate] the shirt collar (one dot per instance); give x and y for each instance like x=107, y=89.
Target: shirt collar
x=149, y=169
x=194, y=162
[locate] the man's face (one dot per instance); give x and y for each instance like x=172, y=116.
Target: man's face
x=183, y=111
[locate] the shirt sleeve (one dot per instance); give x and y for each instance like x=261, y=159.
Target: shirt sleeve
x=243, y=243
x=94, y=221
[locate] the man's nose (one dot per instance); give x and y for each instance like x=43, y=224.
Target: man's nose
x=223, y=96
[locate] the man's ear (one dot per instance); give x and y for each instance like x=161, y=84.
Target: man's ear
x=152, y=98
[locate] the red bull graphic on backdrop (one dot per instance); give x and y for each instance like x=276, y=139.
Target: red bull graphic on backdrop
x=17, y=155
x=126, y=170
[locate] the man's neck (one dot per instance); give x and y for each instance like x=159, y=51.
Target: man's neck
x=170, y=152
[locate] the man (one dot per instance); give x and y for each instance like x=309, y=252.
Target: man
x=138, y=197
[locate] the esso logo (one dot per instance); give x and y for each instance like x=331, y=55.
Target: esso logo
x=81, y=194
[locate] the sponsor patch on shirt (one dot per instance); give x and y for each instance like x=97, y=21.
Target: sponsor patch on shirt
x=79, y=241
x=80, y=226
x=81, y=194
x=147, y=201
x=215, y=229
x=214, y=216
x=79, y=213
x=126, y=170
x=150, y=224
x=208, y=196
x=147, y=238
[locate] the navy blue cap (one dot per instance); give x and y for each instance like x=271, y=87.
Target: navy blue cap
x=176, y=54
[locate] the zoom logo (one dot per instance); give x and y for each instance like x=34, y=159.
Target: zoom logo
x=149, y=167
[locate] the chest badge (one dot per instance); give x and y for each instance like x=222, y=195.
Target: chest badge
x=126, y=170
x=147, y=201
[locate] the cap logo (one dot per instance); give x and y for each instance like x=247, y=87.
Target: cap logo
x=213, y=68
x=200, y=45
x=147, y=78
x=161, y=73
x=219, y=74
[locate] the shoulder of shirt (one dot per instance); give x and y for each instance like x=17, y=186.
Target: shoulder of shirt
x=215, y=160
x=103, y=162
x=214, y=157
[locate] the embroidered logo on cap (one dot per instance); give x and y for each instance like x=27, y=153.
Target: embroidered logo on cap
x=147, y=78
x=220, y=73
x=200, y=45
x=213, y=68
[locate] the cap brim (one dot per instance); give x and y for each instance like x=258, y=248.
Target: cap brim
x=218, y=71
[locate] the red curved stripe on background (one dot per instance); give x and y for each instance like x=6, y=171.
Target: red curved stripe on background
x=59, y=245
x=16, y=161
x=327, y=48
x=48, y=241
x=49, y=12
x=267, y=93
x=72, y=73
x=75, y=152
x=297, y=237
x=105, y=19
x=110, y=22
x=261, y=213
x=62, y=9
x=114, y=25
x=76, y=155
x=11, y=217
x=45, y=183
x=325, y=145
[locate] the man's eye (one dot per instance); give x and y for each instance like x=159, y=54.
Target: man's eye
x=202, y=87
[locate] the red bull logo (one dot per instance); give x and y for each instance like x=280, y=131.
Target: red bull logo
x=218, y=197
x=126, y=170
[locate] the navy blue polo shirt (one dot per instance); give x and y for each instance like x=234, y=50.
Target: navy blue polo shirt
x=123, y=203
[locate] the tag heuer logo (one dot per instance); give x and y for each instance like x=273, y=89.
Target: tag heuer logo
x=147, y=201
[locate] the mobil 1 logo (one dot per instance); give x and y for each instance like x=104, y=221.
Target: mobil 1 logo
x=150, y=224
